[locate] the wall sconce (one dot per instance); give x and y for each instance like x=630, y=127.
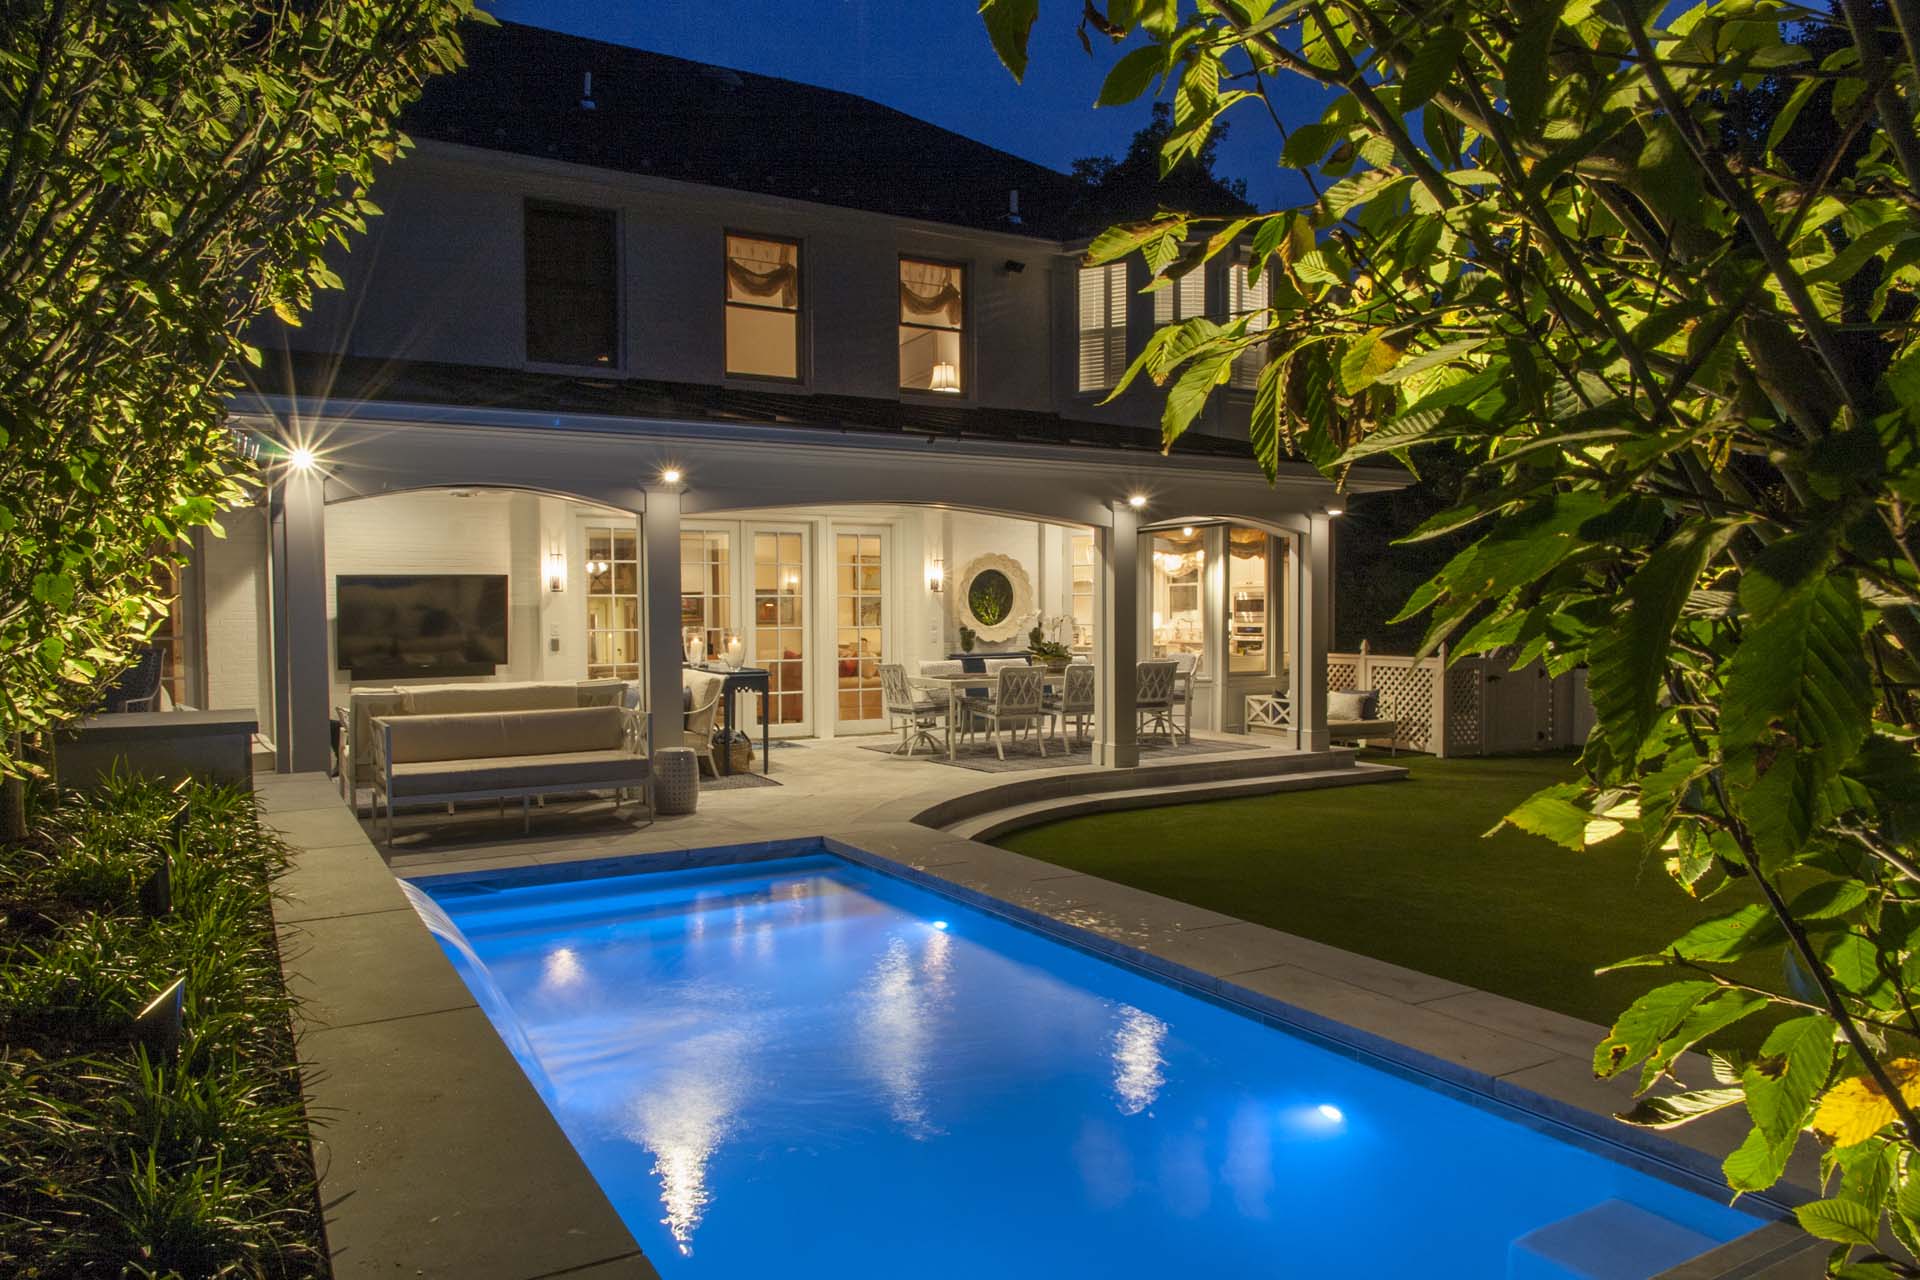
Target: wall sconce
x=937, y=575
x=556, y=571
x=597, y=567
x=945, y=377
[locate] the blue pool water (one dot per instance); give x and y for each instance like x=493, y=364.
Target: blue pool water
x=809, y=1068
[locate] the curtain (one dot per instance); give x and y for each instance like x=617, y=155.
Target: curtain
x=763, y=271
x=1247, y=544
x=930, y=294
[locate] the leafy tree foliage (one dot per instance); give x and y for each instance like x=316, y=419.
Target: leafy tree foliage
x=1673, y=352
x=168, y=171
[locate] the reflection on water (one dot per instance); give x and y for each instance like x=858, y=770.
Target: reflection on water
x=562, y=969
x=683, y=1116
x=1138, y=1065
x=898, y=1008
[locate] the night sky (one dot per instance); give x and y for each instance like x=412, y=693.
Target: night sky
x=931, y=59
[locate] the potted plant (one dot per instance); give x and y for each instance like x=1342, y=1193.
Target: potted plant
x=1051, y=654
x=967, y=635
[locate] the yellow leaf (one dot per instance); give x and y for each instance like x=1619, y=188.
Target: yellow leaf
x=1855, y=1109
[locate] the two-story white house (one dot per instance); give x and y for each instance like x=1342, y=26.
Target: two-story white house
x=670, y=355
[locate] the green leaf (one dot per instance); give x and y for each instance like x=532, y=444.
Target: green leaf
x=1431, y=66
x=1794, y=1064
x=1131, y=76
x=1009, y=23
x=1714, y=1013
x=1731, y=936
x=1365, y=359
x=1671, y=1110
x=1647, y=1022
x=1757, y=1163
x=1190, y=391
x=1797, y=705
x=1841, y=1221
x=1551, y=813
x=1627, y=664
x=1528, y=64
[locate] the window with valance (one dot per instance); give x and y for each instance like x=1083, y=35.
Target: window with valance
x=763, y=307
x=933, y=310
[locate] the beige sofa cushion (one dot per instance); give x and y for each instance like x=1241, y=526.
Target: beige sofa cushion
x=584, y=769
x=496, y=734
x=444, y=699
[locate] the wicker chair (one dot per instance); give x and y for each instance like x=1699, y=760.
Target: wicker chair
x=913, y=714
x=1153, y=696
x=1075, y=699
x=1016, y=703
x=704, y=689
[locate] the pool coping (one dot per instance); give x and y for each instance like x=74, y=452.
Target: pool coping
x=1535, y=1088
x=407, y=1173
x=427, y=1134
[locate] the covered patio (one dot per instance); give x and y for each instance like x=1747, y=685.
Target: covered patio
x=632, y=549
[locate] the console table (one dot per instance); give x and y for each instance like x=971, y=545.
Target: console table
x=734, y=679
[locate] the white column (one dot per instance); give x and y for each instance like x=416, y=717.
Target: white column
x=660, y=616
x=301, y=678
x=1216, y=633
x=1117, y=643
x=1316, y=620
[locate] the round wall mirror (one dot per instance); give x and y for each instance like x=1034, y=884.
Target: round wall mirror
x=990, y=598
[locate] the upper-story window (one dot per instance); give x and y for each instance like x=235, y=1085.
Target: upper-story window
x=763, y=307
x=1181, y=298
x=933, y=317
x=1243, y=297
x=1103, y=325
x=573, y=294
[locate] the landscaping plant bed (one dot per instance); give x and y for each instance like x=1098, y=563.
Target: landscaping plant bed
x=125, y=1158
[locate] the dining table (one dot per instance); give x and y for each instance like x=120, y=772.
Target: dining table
x=958, y=683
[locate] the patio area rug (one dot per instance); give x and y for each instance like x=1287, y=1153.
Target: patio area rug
x=1024, y=757
x=737, y=782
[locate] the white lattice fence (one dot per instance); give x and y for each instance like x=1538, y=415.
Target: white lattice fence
x=1445, y=709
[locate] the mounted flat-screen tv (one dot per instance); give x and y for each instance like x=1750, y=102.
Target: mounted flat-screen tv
x=420, y=625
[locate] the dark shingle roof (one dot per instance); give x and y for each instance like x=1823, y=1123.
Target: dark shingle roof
x=672, y=118
x=324, y=383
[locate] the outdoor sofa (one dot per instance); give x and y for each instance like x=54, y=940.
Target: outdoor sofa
x=365, y=703
x=503, y=755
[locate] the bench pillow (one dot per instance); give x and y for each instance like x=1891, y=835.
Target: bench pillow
x=455, y=698
x=1353, y=704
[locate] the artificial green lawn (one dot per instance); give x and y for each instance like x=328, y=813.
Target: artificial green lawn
x=1400, y=871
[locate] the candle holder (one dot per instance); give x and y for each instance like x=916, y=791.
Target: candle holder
x=734, y=652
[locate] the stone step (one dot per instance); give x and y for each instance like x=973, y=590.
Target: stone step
x=1614, y=1240
x=986, y=827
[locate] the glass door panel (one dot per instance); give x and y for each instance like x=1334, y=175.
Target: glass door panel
x=613, y=602
x=860, y=626
x=780, y=622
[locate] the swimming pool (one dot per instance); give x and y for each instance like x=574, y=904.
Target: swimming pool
x=807, y=1067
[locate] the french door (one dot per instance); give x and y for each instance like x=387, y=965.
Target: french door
x=779, y=619
x=860, y=565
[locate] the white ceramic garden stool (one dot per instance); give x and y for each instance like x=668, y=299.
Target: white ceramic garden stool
x=676, y=780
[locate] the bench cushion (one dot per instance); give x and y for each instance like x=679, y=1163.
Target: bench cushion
x=1362, y=728
x=584, y=769
x=495, y=734
x=441, y=699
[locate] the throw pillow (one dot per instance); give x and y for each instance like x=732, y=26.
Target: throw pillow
x=1345, y=704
